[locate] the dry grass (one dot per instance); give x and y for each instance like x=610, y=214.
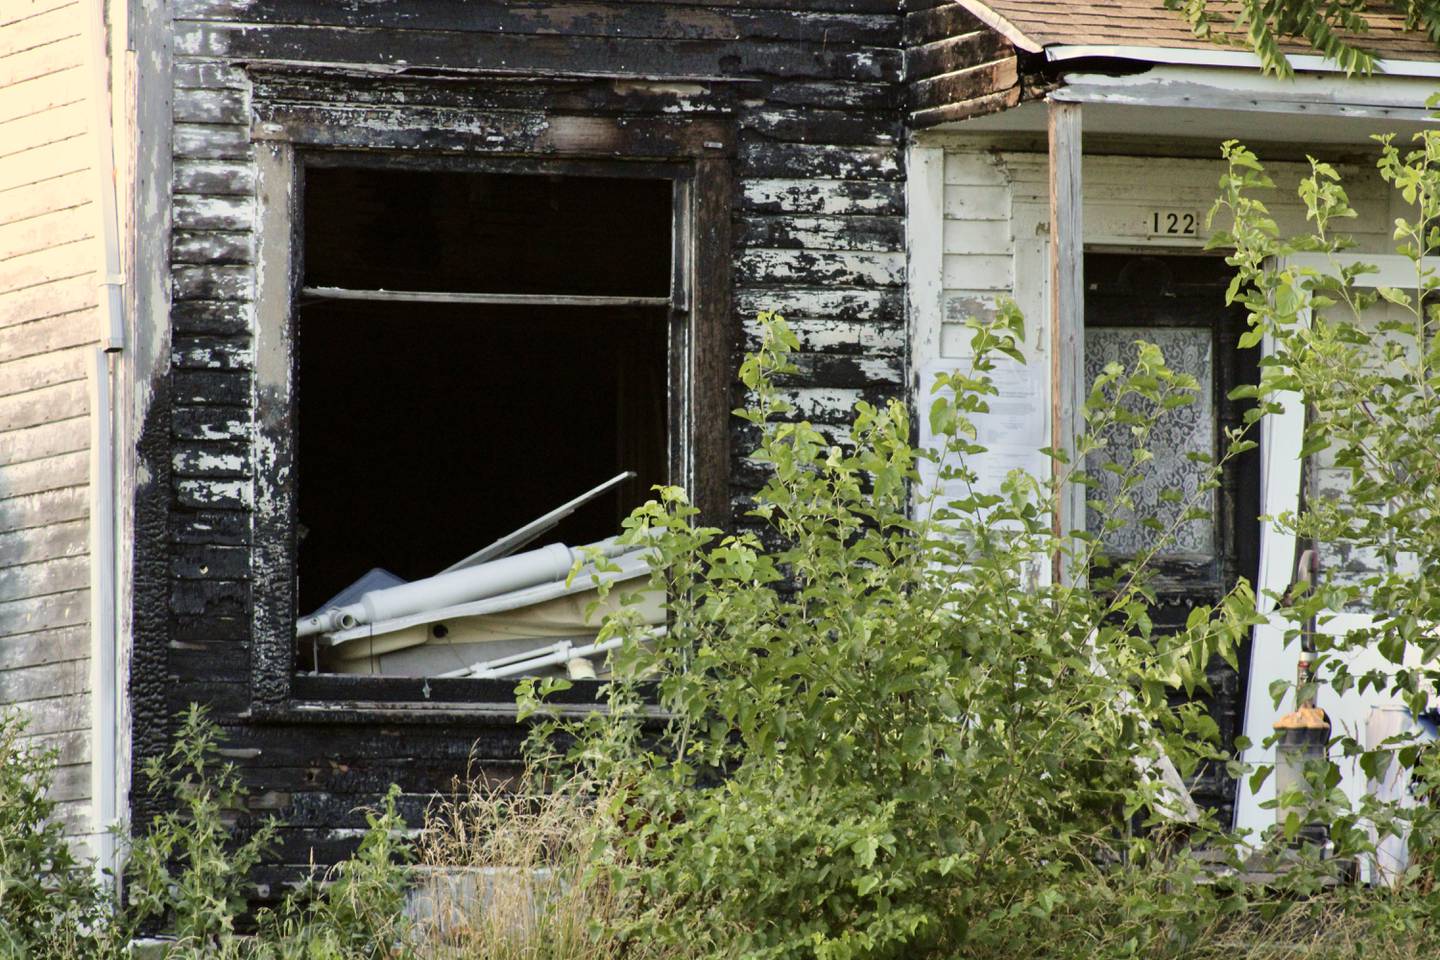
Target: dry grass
x=1372, y=925
x=504, y=875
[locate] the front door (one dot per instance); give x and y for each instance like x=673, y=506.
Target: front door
x=1178, y=303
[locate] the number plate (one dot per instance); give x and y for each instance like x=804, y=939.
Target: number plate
x=1172, y=222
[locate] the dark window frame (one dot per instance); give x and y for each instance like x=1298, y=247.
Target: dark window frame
x=694, y=154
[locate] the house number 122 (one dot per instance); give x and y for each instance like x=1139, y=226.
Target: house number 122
x=1174, y=223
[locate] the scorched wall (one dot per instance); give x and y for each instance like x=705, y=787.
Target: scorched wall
x=812, y=91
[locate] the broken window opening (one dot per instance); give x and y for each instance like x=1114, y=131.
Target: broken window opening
x=472, y=349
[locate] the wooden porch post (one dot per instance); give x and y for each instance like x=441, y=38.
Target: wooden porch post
x=1067, y=315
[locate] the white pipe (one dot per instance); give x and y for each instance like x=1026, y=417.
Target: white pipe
x=476, y=669
x=560, y=652
x=632, y=565
x=112, y=270
x=483, y=672
x=103, y=672
x=552, y=562
x=104, y=648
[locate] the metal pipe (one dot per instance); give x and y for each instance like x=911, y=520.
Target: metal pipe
x=104, y=645
x=559, y=656
x=505, y=661
x=517, y=572
x=560, y=652
x=632, y=564
x=112, y=272
x=103, y=668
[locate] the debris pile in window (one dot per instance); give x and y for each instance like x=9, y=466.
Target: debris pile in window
x=497, y=613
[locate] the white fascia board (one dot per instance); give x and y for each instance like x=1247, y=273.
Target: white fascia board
x=1220, y=57
x=1218, y=88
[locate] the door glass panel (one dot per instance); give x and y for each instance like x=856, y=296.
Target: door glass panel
x=1181, y=431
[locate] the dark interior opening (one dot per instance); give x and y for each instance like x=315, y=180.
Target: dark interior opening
x=425, y=431
x=487, y=232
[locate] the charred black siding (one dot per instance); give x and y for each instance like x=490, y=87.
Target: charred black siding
x=957, y=67
x=813, y=89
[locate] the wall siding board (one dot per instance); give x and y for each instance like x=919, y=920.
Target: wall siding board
x=51, y=473
x=36, y=407
x=16, y=13
x=44, y=613
x=42, y=94
x=71, y=748
x=47, y=230
x=45, y=196
x=202, y=211
x=44, y=128
x=45, y=647
x=44, y=578
x=34, y=510
x=71, y=782
x=762, y=158
x=826, y=197
x=43, y=60
x=57, y=540
x=44, y=440
x=44, y=300
x=202, y=141
x=592, y=20
x=879, y=234
x=539, y=53
x=42, y=337
x=64, y=260
x=48, y=257
x=41, y=27
x=58, y=715
x=214, y=178
x=44, y=370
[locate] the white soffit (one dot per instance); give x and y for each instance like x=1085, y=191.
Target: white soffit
x=1220, y=57
x=1219, y=103
x=1167, y=124
x=1219, y=88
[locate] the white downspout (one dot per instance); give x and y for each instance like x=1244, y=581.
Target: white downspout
x=104, y=648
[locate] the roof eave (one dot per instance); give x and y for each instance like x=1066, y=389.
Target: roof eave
x=1002, y=26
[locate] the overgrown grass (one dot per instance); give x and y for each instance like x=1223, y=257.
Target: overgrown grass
x=521, y=870
x=515, y=871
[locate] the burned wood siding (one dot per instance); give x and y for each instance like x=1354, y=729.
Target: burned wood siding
x=812, y=90
x=957, y=67
x=48, y=259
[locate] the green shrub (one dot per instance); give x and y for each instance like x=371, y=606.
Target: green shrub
x=357, y=910
x=883, y=737
x=183, y=869
x=50, y=903
x=1365, y=360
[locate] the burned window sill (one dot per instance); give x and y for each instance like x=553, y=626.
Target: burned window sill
x=337, y=698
